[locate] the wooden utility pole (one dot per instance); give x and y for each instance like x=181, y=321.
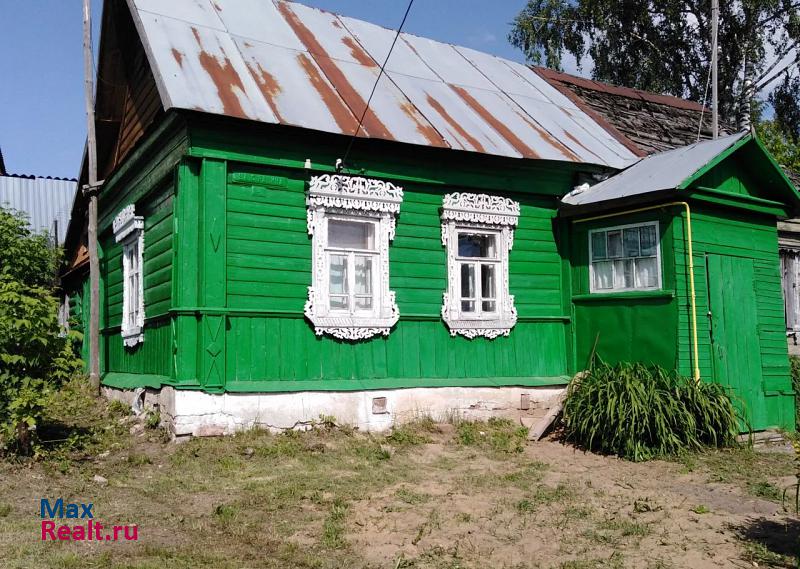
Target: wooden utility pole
x=714, y=65
x=90, y=191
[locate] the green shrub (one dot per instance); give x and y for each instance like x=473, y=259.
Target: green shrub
x=640, y=412
x=34, y=356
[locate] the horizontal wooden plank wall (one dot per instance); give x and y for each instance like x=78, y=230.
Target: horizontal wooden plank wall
x=269, y=269
x=154, y=355
x=725, y=233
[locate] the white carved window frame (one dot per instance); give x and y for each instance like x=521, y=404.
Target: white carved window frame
x=477, y=213
x=129, y=232
x=356, y=199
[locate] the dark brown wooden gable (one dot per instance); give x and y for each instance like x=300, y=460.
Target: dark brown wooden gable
x=127, y=97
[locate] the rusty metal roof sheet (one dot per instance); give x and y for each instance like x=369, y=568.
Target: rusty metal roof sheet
x=654, y=173
x=281, y=62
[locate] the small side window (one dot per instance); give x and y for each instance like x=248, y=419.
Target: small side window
x=625, y=258
x=129, y=232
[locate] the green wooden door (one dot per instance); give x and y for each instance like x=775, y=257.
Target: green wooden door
x=735, y=344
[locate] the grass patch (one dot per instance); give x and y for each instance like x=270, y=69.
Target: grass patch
x=746, y=468
x=625, y=528
x=5, y=510
x=498, y=434
x=333, y=528
x=410, y=497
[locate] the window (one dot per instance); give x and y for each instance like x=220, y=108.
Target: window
x=351, y=221
x=129, y=232
x=478, y=232
x=790, y=275
x=625, y=258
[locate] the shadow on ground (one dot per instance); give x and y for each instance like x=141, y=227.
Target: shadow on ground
x=778, y=536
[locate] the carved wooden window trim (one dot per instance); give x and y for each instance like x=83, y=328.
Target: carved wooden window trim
x=361, y=200
x=129, y=232
x=485, y=216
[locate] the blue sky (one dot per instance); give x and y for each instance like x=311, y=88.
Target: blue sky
x=42, y=118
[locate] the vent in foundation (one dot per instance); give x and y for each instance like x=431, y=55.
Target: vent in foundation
x=379, y=406
x=524, y=401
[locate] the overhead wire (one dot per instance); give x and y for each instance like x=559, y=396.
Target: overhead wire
x=343, y=163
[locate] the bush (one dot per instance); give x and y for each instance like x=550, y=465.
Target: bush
x=794, y=363
x=34, y=355
x=640, y=412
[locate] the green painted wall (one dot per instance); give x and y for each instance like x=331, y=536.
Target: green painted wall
x=244, y=265
x=656, y=327
x=627, y=326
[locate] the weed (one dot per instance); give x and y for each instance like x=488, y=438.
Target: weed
x=766, y=490
x=625, y=528
x=500, y=435
x=135, y=459
x=5, y=510
x=411, y=497
x=412, y=433
x=153, y=420
x=118, y=408
x=333, y=527
x=701, y=509
x=226, y=514
x=760, y=555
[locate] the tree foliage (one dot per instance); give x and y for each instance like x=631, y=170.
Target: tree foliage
x=35, y=356
x=781, y=145
x=664, y=45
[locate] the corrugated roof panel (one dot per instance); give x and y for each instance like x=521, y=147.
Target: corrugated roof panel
x=447, y=63
x=202, y=69
x=354, y=72
x=457, y=123
x=295, y=88
x=257, y=20
x=276, y=61
x=199, y=12
x=377, y=40
x=43, y=200
x=460, y=126
x=657, y=172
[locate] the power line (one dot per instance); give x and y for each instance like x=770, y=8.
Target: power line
x=380, y=74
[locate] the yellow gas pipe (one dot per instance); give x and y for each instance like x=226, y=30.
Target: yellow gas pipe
x=695, y=350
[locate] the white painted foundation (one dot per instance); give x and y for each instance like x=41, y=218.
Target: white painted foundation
x=198, y=413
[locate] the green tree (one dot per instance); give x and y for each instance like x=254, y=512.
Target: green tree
x=781, y=145
x=664, y=45
x=35, y=356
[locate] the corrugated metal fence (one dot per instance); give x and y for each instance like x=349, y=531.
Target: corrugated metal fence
x=47, y=202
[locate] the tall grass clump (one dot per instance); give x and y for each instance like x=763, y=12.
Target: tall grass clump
x=640, y=412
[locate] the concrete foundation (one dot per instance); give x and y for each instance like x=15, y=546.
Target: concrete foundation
x=197, y=413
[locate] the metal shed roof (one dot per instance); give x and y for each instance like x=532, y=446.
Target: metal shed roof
x=663, y=171
x=44, y=200
x=281, y=62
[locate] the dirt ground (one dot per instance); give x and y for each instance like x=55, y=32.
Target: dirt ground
x=428, y=496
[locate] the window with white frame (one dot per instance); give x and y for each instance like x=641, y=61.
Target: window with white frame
x=478, y=233
x=625, y=258
x=351, y=221
x=129, y=232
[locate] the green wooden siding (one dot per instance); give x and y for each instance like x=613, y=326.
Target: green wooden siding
x=746, y=236
x=269, y=269
x=626, y=326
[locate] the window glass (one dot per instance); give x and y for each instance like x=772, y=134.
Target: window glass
x=351, y=234
x=614, y=244
x=625, y=258
x=649, y=240
x=482, y=246
x=598, y=245
x=338, y=282
x=363, y=288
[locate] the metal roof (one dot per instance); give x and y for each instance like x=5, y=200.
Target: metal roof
x=662, y=171
x=281, y=62
x=44, y=200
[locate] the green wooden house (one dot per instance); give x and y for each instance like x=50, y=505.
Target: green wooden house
x=272, y=249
